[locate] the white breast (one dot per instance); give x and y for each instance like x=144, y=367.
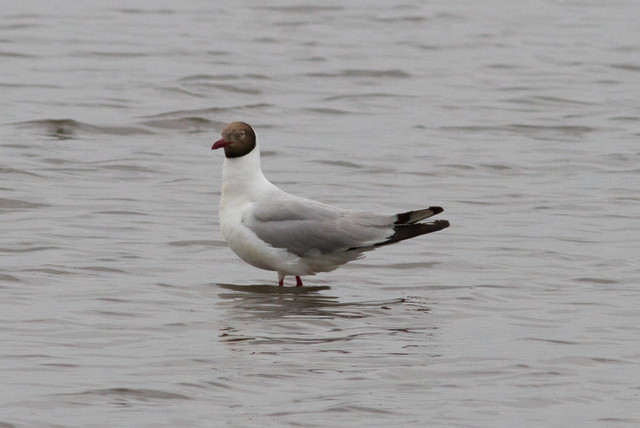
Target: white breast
x=243, y=186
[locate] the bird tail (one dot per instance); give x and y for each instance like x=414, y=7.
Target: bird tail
x=406, y=226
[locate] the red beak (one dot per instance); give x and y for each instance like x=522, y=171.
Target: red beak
x=220, y=143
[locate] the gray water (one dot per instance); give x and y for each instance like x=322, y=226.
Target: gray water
x=120, y=304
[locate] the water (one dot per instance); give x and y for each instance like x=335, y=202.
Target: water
x=120, y=304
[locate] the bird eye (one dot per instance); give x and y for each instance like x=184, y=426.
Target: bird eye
x=242, y=135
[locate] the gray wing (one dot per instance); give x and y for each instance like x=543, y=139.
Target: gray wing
x=304, y=227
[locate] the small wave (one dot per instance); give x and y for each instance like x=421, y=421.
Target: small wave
x=358, y=97
x=394, y=73
x=463, y=167
x=575, y=130
x=203, y=83
x=6, y=54
x=176, y=114
x=192, y=124
x=339, y=163
x=4, y=277
x=553, y=341
x=626, y=118
x=46, y=270
x=198, y=243
x=65, y=129
x=408, y=265
x=402, y=19
x=16, y=204
x=627, y=67
x=302, y=9
x=132, y=393
x=328, y=111
x=532, y=130
x=376, y=73
x=194, y=120
x=120, y=212
x=101, y=269
x=201, y=87
x=206, y=77
x=30, y=85
x=496, y=166
x=185, y=120
x=235, y=88
x=215, y=77
x=597, y=280
x=6, y=170
x=134, y=11
x=110, y=54
x=547, y=100
x=359, y=409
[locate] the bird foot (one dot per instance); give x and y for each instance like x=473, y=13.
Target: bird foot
x=298, y=282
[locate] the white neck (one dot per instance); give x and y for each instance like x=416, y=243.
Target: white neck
x=242, y=177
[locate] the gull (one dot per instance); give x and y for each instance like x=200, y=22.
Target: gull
x=274, y=230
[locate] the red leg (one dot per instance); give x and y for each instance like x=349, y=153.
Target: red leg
x=281, y=282
x=298, y=282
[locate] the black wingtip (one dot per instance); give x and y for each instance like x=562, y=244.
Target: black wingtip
x=436, y=210
x=442, y=223
x=408, y=231
x=415, y=216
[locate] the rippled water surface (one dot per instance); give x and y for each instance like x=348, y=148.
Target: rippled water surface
x=120, y=304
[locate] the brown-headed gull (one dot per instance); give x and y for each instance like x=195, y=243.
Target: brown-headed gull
x=273, y=230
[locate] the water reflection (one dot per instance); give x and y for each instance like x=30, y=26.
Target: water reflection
x=269, y=317
x=272, y=302
x=271, y=289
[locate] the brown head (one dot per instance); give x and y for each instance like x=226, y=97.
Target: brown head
x=238, y=139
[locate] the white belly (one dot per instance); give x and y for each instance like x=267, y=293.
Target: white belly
x=250, y=248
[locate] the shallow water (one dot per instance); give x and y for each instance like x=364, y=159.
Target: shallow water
x=121, y=305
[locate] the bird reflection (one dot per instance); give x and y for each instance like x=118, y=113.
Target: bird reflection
x=270, y=289
x=268, y=315
x=270, y=302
